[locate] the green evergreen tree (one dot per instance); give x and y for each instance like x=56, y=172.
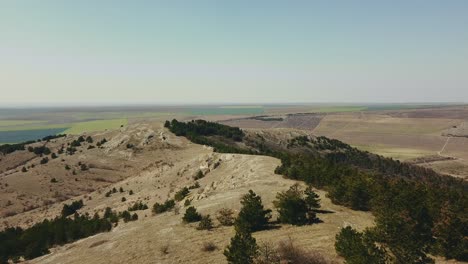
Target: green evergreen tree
x=191, y=215
x=252, y=216
x=356, y=248
x=242, y=250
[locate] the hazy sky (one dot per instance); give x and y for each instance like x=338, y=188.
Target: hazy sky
x=233, y=51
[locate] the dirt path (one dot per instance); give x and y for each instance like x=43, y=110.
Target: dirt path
x=323, y=118
x=443, y=148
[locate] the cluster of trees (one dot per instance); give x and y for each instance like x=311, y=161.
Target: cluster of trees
x=10, y=148
x=252, y=217
x=181, y=194
x=296, y=206
x=36, y=240
x=41, y=150
x=418, y=212
x=71, y=208
x=102, y=142
x=49, y=138
x=204, y=128
x=113, y=190
x=164, y=207
x=205, y=133
x=138, y=206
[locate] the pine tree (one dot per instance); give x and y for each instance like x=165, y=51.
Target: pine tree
x=252, y=216
x=242, y=250
x=191, y=215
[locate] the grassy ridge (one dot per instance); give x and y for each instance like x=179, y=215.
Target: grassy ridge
x=418, y=212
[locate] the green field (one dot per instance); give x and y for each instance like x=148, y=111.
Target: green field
x=225, y=111
x=337, y=109
x=20, y=131
x=96, y=125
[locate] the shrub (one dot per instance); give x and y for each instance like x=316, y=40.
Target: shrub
x=67, y=167
x=125, y=215
x=130, y=192
x=267, y=254
x=75, y=143
x=134, y=217
x=83, y=167
x=180, y=195
x=121, y=190
x=194, y=186
x=209, y=246
x=124, y=199
x=164, y=249
x=138, y=206
x=54, y=156
x=225, y=217
x=44, y=160
x=89, y=139
x=53, y=180
x=187, y=202
x=191, y=215
x=252, y=216
x=205, y=223
x=72, y=208
x=161, y=208
x=24, y=169
x=199, y=175
x=291, y=254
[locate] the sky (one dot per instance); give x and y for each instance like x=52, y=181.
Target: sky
x=63, y=52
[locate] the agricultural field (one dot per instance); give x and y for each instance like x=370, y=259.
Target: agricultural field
x=402, y=132
x=405, y=132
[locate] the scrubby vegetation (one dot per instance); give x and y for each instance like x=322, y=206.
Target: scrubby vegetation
x=225, y=217
x=161, y=208
x=138, y=206
x=205, y=223
x=49, y=138
x=199, y=175
x=72, y=208
x=42, y=150
x=209, y=246
x=10, y=148
x=180, y=195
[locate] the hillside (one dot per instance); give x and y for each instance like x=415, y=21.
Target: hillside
x=154, y=164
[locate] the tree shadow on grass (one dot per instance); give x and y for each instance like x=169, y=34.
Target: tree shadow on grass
x=319, y=211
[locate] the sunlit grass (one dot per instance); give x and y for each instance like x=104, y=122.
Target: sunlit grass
x=96, y=125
